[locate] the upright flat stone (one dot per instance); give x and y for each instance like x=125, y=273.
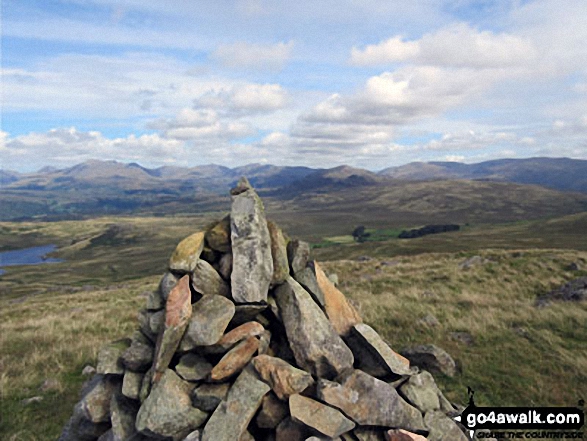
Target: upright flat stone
x=168, y=410
x=298, y=254
x=316, y=346
x=210, y=317
x=340, y=312
x=187, y=253
x=252, y=265
x=178, y=311
x=307, y=278
x=278, y=253
x=207, y=281
x=284, y=379
x=376, y=354
x=233, y=415
x=325, y=419
x=370, y=402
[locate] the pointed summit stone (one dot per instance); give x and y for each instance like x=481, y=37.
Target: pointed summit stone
x=252, y=263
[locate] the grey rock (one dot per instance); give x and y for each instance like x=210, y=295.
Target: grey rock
x=155, y=301
x=376, y=355
x=123, y=413
x=193, y=367
x=146, y=386
x=370, y=402
x=421, y=391
x=298, y=253
x=246, y=312
x=187, y=253
x=442, y=428
x=109, y=361
x=284, y=379
x=233, y=415
x=432, y=358
x=307, y=278
x=88, y=371
x=31, y=400
x=207, y=281
x=207, y=396
x=272, y=412
x=252, y=266
x=196, y=435
x=429, y=320
x=471, y=262
x=168, y=411
x=131, y=384
x=225, y=266
x=218, y=237
x=157, y=322
x=167, y=283
x=462, y=337
x=316, y=346
x=139, y=355
x=210, y=317
x=333, y=278
x=325, y=419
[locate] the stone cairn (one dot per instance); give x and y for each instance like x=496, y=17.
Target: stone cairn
x=245, y=339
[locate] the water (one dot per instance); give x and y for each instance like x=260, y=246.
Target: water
x=27, y=256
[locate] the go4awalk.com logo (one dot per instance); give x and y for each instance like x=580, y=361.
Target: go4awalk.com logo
x=523, y=422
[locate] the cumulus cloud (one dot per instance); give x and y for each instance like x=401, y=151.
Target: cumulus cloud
x=458, y=45
x=245, y=99
x=254, y=56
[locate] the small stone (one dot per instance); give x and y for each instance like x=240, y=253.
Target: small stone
x=51, y=384
x=167, y=283
x=402, y=435
x=168, y=411
x=193, y=367
x=278, y=254
x=155, y=301
x=316, y=346
x=421, y=391
x=88, y=371
x=210, y=317
x=249, y=329
x=187, y=253
x=196, y=435
x=233, y=415
x=139, y=355
x=432, y=358
x=442, y=428
x=177, y=317
x=31, y=400
x=339, y=311
x=272, y=412
x=218, y=237
x=252, y=266
x=429, y=320
x=298, y=253
x=131, y=384
x=225, y=266
x=462, y=337
x=325, y=419
x=374, y=355
x=207, y=281
x=207, y=397
x=284, y=379
x=109, y=361
x=157, y=322
x=235, y=360
x=307, y=278
x=333, y=278
x=370, y=402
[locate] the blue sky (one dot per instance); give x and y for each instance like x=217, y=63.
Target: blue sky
x=370, y=83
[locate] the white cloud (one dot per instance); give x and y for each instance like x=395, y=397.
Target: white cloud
x=243, y=55
x=458, y=45
x=245, y=99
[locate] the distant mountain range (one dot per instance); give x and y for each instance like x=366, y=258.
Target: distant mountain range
x=110, y=187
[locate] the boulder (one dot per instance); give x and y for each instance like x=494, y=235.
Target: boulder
x=252, y=264
x=178, y=311
x=284, y=379
x=432, y=358
x=193, y=367
x=207, y=281
x=233, y=415
x=218, y=237
x=339, y=311
x=109, y=357
x=187, y=253
x=316, y=346
x=235, y=360
x=370, y=402
x=325, y=419
x=209, y=319
x=278, y=254
x=168, y=411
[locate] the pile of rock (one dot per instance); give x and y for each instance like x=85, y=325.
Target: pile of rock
x=246, y=338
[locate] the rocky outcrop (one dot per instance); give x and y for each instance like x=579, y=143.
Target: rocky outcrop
x=246, y=338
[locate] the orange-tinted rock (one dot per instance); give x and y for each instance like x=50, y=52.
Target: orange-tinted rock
x=249, y=329
x=284, y=379
x=178, y=311
x=186, y=254
x=403, y=435
x=339, y=311
x=235, y=360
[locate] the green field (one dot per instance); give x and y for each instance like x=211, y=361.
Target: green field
x=55, y=317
